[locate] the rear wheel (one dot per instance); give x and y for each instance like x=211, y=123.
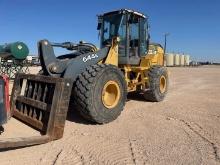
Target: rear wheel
x=100, y=93
x=158, y=84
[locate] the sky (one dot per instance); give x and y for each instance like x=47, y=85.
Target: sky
x=194, y=25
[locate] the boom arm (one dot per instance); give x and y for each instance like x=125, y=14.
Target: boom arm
x=50, y=64
x=70, y=68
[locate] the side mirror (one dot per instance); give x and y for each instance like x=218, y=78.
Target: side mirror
x=100, y=20
x=99, y=26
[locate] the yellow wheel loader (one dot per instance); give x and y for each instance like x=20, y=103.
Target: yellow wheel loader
x=102, y=78
x=99, y=78
x=129, y=67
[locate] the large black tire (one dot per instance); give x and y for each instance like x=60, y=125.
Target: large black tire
x=88, y=93
x=158, y=84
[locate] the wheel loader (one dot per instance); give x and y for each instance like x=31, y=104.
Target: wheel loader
x=93, y=81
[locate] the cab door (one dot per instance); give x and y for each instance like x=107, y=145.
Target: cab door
x=135, y=46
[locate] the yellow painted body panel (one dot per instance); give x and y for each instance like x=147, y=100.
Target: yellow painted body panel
x=139, y=80
x=155, y=56
x=136, y=76
x=112, y=57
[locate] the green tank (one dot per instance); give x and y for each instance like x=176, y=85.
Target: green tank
x=16, y=50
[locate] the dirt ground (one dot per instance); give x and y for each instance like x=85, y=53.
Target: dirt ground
x=183, y=129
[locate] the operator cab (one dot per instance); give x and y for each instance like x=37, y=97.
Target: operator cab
x=132, y=29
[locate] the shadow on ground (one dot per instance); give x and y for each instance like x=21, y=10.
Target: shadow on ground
x=74, y=116
x=136, y=96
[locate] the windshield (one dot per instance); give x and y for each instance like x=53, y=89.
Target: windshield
x=111, y=26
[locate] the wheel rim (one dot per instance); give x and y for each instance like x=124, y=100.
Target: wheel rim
x=163, y=84
x=110, y=94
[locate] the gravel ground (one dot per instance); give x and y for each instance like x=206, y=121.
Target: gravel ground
x=183, y=129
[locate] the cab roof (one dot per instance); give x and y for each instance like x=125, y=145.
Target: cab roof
x=125, y=11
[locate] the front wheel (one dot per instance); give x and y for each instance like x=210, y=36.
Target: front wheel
x=100, y=93
x=158, y=84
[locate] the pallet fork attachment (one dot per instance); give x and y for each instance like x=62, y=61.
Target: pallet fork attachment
x=40, y=102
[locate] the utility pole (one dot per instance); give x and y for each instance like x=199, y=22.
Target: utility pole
x=165, y=45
